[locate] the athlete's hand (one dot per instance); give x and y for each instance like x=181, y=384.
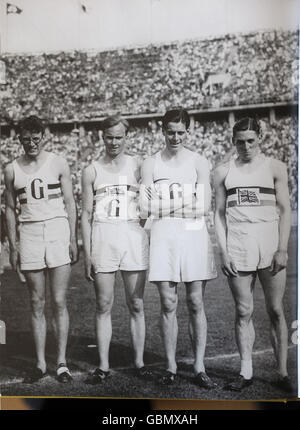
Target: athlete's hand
x=74, y=252
x=228, y=266
x=14, y=259
x=21, y=275
x=151, y=193
x=279, y=262
x=142, y=222
x=88, y=269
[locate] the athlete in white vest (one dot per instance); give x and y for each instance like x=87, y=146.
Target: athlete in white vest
x=113, y=240
x=253, y=224
x=39, y=182
x=176, y=194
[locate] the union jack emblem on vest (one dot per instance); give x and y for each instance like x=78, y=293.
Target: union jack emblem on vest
x=248, y=196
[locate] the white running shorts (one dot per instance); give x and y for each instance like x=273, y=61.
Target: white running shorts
x=44, y=244
x=252, y=245
x=122, y=245
x=180, y=251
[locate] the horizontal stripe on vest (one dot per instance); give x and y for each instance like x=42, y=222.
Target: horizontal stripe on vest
x=262, y=190
x=161, y=179
x=53, y=186
x=262, y=203
x=54, y=196
x=50, y=187
x=102, y=190
x=50, y=197
x=20, y=191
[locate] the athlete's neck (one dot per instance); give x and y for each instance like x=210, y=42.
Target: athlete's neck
x=173, y=154
x=250, y=161
x=35, y=159
x=115, y=161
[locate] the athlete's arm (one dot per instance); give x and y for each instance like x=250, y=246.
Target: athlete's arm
x=67, y=190
x=151, y=203
x=146, y=182
x=10, y=215
x=283, y=205
x=139, y=162
x=203, y=191
x=88, y=176
x=228, y=266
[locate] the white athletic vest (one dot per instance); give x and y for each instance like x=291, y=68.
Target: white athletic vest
x=39, y=193
x=174, y=182
x=250, y=196
x=116, y=194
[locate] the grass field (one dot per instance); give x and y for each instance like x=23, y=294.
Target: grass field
x=222, y=360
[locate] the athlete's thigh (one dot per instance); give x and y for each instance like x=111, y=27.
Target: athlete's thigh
x=167, y=291
x=242, y=287
x=134, y=283
x=59, y=280
x=273, y=286
x=36, y=282
x=195, y=290
x=104, y=287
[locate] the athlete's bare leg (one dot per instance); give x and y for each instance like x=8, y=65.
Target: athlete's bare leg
x=169, y=326
x=59, y=280
x=104, y=288
x=134, y=283
x=197, y=322
x=273, y=287
x=242, y=288
x=36, y=285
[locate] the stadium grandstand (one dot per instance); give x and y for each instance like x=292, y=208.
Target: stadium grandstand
x=216, y=79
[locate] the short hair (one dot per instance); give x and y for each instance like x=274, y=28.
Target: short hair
x=176, y=115
x=113, y=120
x=32, y=123
x=245, y=124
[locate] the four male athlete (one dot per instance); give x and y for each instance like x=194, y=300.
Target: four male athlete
x=180, y=248
x=113, y=240
x=40, y=183
x=172, y=188
x=252, y=221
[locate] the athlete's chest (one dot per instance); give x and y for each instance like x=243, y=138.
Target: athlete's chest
x=184, y=173
x=46, y=165
x=37, y=180
x=31, y=169
x=250, y=168
x=112, y=175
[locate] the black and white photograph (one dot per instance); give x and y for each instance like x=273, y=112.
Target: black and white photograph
x=149, y=199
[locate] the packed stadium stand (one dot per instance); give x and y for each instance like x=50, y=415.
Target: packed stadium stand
x=209, y=77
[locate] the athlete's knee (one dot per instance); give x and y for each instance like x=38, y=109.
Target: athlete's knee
x=59, y=304
x=195, y=304
x=37, y=306
x=135, y=306
x=244, y=311
x=276, y=313
x=103, y=306
x=169, y=304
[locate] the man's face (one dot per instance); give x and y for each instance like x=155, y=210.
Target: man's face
x=175, y=135
x=32, y=142
x=247, y=144
x=114, y=140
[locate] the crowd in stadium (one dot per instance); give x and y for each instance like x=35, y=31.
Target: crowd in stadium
x=210, y=138
x=195, y=74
